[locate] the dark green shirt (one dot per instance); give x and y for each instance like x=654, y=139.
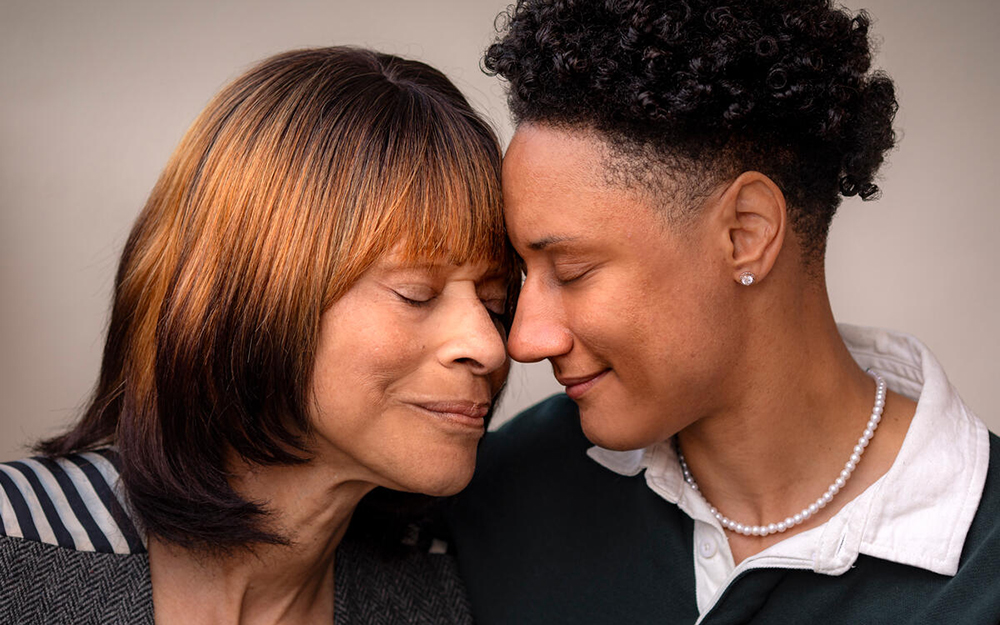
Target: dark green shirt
x=545, y=535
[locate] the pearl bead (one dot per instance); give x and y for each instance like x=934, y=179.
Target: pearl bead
x=845, y=473
x=840, y=482
x=797, y=518
x=789, y=522
x=851, y=464
x=813, y=508
x=858, y=449
x=855, y=458
x=778, y=528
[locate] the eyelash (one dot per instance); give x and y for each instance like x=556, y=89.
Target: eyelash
x=569, y=268
x=566, y=281
x=416, y=303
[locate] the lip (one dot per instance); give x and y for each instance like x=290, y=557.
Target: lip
x=576, y=387
x=459, y=412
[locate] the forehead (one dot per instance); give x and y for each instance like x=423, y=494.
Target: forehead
x=555, y=187
x=550, y=156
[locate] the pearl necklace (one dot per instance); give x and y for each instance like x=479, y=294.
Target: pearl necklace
x=813, y=508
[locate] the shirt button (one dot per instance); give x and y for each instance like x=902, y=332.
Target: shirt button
x=707, y=548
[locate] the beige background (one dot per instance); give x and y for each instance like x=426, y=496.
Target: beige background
x=94, y=95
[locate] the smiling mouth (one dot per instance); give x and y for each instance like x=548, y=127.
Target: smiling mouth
x=576, y=387
x=460, y=413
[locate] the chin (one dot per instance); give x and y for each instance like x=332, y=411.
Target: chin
x=444, y=485
x=613, y=431
x=439, y=473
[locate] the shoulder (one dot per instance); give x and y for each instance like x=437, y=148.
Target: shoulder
x=535, y=488
x=981, y=550
x=72, y=502
x=378, y=584
x=545, y=432
x=973, y=593
x=986, y=525
x=43, y=583
x=987, y=519
x=542, y=529
x=538, y=458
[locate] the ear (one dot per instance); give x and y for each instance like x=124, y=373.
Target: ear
x=754, y=211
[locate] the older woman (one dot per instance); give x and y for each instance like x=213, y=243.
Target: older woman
x=724, y=453
x=311, y=305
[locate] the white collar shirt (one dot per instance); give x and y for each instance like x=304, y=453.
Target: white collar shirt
x=917, y=514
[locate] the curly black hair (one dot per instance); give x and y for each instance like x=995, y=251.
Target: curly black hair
x=710, y=88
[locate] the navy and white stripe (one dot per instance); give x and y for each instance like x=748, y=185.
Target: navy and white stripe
x=72, y=502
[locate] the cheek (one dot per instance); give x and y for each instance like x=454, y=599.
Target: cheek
x=360, y=358
x=602, y=317
x=658, y=328
x=618, y=316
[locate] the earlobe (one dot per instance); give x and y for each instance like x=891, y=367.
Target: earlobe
x=757, y=226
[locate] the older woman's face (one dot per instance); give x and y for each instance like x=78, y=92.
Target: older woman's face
x=632, y=314
x=408, y=363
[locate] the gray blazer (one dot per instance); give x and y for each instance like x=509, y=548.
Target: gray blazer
x=67, y=555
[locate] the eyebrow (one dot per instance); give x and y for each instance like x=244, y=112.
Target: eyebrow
x=545, y=242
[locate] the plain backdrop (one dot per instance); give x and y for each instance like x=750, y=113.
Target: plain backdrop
x=94, y=96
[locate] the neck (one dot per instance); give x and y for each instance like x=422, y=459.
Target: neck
x=789, y=423
x=311, y=506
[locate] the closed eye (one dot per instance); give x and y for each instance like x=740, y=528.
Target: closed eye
x=566, y=274
x=567, y=278
x=418, y=300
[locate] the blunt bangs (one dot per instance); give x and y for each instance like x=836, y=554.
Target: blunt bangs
x=429, y=188
x=449, y=203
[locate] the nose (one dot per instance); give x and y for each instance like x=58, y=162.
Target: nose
x=474, y=340
x=538, y=331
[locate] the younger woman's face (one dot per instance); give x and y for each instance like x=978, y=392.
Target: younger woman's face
x=635, y=315
x=408, y=363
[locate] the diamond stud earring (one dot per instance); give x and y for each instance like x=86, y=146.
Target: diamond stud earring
x=747, y=278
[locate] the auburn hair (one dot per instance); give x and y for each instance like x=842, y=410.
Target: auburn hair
x=296, y=177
